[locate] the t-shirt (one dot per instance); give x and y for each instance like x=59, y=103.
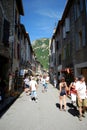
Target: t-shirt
x=81, y=89
x=26, y=81
x=73, y=90
x=43, y=81
x=33, y=84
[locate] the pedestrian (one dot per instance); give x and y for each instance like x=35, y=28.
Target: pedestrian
x=26, y=83
x=47, y=80
x=37, y=79
x=33, y=88
x=81, y=96
x=72, y=91
x=55, y=82
x=44, y=84
x=63, y=92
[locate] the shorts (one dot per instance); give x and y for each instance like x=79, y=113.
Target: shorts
x=45, y=85
x=73, y=97
x=62, y=93
x=83, y=103
x=26, y=86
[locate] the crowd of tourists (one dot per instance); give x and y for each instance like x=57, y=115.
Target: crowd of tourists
x=76, y=90
x=78, y=93
x=31, y=84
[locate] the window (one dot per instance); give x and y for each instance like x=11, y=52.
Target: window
x=53, y=46
x=64, y=32
x=15, y=17
x=80, y=38
x=68, y=53
x=81, y=5
x=78, y=7
x=67, y=24
x=60, y=59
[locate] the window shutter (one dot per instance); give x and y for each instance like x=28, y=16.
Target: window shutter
x=64, y=32
x=67, y=24
x=81, y=5
x=53, y=46
x=6, y=32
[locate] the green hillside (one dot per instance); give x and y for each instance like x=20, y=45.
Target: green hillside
x=41, y=49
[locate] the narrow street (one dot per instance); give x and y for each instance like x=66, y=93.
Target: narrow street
x=43, y=115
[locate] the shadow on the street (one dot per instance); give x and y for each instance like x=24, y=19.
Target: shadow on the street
x=58, y=105
x=72, y=110
x=6, y=107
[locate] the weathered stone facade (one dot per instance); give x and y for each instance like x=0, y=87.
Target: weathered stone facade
x=72, y=38
x=12, y=39
x=4, y=39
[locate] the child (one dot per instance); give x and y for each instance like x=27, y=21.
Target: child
x=44, y=84
x=26, y=83
x=33, y=88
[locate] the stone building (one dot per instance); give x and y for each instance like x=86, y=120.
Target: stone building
x=15, y=47
x=71, y=41
x=52, y=58
x=10, y=12
x=4, y=40
x=16, y=33
x=80, y=64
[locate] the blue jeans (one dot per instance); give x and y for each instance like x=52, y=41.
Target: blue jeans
x=33, y=94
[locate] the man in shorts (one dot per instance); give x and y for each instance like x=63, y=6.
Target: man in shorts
x=81, y=96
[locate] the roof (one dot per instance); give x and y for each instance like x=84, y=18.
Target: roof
x=23, y=28
x=66, y=10
x=20, y=7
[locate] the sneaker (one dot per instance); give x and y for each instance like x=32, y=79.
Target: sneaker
x=80, y=118
x=36, y=100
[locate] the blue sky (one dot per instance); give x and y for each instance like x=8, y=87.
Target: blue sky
x=41, y=16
